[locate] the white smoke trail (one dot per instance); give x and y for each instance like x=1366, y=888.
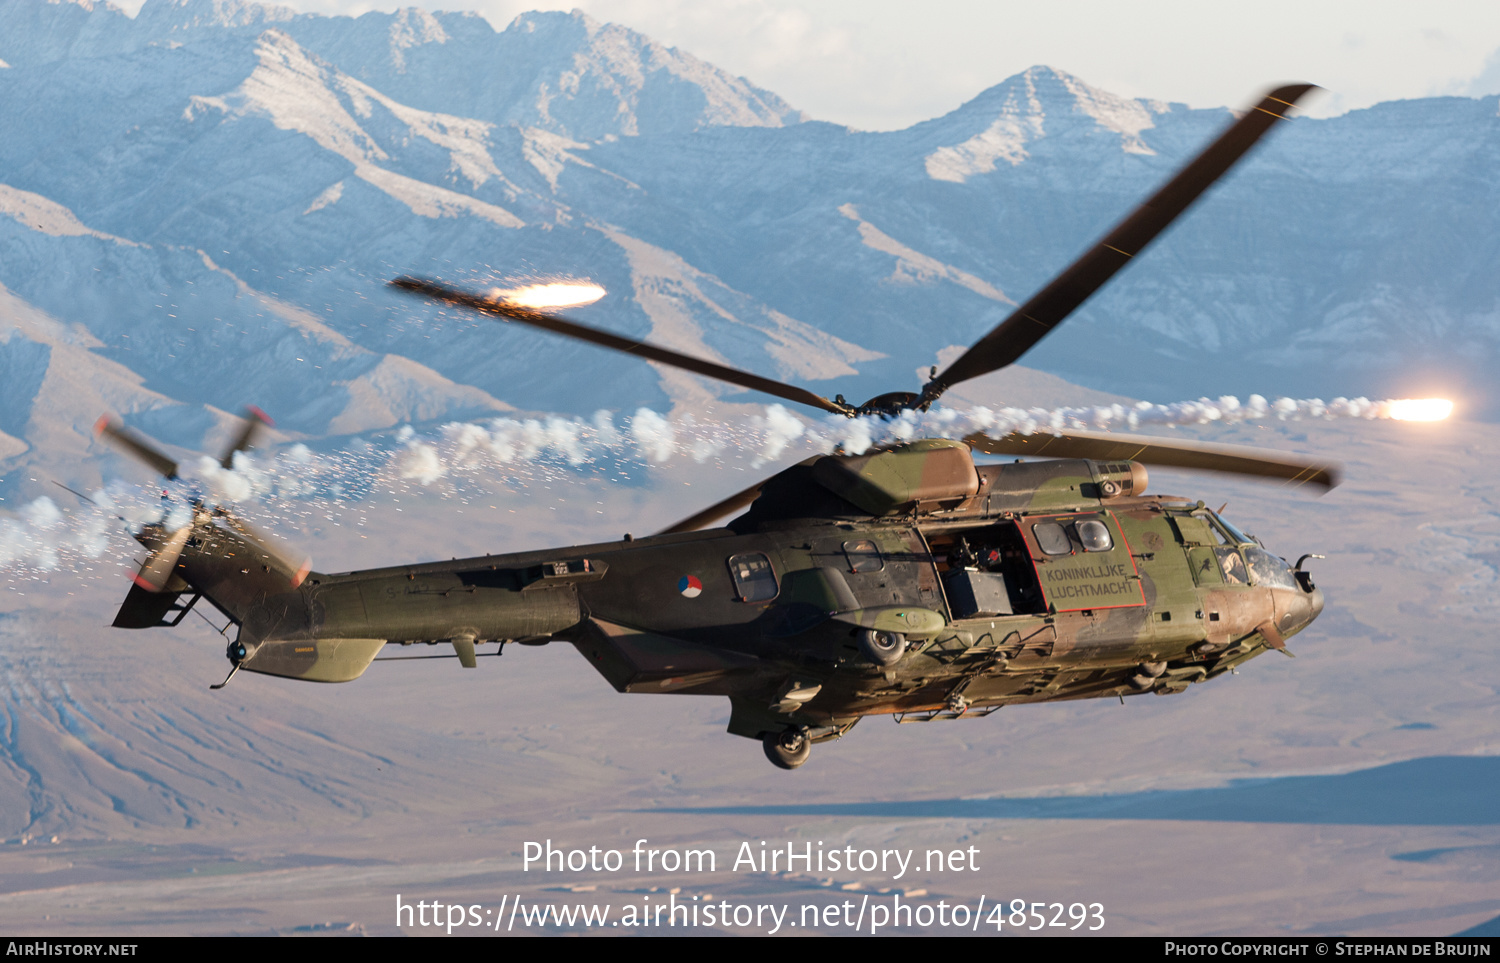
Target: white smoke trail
x=509, y=450
x=863, y=433
x=298, y=486
x=653, y=435
x=656, y=439
x=42, y=537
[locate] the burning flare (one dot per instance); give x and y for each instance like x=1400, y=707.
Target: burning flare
x=560, y=294
x=1419, y=409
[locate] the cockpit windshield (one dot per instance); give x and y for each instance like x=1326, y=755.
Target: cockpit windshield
x=1266, y=569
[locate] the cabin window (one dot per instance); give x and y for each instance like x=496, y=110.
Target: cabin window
x=754, y=579
x=1052, y=538
x=863, y=556
x=1094, y=535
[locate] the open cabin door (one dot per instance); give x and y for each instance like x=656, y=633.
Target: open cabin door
x=987, y=572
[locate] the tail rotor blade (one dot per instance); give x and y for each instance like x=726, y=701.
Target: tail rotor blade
x=255, y=420
x=154, y=575
x=1108, y=446
x=123, y=438
x=296, y=573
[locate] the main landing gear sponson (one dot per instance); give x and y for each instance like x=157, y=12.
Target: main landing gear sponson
x=882, y=648
x=788, y=749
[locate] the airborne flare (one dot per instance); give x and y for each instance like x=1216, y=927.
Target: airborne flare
x=1419, y=409
x=558, y=294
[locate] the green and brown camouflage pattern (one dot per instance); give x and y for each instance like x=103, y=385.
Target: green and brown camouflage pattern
x=850, y=544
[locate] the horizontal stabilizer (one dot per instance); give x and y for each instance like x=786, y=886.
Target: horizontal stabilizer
x=145, y=609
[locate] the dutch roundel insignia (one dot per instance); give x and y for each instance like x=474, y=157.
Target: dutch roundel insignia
x=690, y=586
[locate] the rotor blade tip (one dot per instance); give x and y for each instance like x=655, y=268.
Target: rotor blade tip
x=1290, y=94
x=259, y=415
x=102, y=425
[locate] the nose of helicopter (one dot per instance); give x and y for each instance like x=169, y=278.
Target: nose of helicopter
x=1297, y=609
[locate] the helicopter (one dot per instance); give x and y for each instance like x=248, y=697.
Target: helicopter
x=904, y=580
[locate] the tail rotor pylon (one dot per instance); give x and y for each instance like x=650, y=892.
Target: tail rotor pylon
x=157, y=570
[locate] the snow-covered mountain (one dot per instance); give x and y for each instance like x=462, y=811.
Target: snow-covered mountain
x=199, y=207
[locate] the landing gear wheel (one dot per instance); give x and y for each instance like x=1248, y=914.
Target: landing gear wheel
x=787, y=750
x=882, y=648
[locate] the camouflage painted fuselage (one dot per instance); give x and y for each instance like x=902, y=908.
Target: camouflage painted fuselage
x=1024, y=582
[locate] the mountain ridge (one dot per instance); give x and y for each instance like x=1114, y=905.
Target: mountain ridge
x=301, y=157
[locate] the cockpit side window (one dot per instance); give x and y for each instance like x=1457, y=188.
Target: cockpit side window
x=1232, y=566
x=754, y=579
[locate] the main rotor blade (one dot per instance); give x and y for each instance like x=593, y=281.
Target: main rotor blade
x=1033, y=320
x=255, y=419
x=1108, y=446
x=717, y=511
x=572, y=329
x=122, y=437
x=154, y=575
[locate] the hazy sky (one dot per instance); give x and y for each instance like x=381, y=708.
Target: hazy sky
x=884, y=64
